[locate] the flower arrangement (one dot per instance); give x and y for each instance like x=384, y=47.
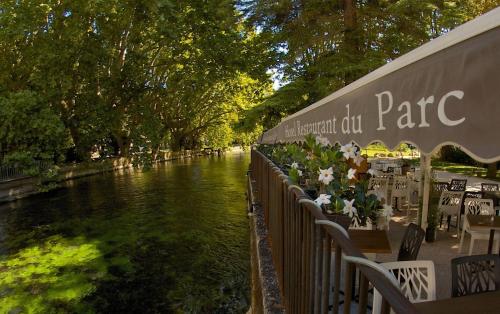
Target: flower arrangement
x=332, y=171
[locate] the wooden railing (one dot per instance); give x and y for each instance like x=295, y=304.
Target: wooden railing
x=307, y=253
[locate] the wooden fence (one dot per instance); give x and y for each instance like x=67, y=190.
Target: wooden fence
x=307, y=254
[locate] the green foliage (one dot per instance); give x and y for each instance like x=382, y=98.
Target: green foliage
x=456, y=155
x=304, y=163
x=125, y=77
x=30, y=130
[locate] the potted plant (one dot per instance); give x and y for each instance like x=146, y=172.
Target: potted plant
x=432, y=221
x=329, y=175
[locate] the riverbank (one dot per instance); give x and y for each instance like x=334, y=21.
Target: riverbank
x=14, y=189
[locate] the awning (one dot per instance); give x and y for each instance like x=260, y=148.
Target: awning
x=444, y=92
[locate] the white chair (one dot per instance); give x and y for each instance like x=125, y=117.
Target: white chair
x=379, y=186
x=399, y=190
x=417, y=281
x=450, y=204
x=477, y=206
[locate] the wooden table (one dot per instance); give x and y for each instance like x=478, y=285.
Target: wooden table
x=483, y=303
x=482, y=223
x=371, y=241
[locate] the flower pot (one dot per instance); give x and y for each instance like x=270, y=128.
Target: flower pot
x=341, y=219
x=312, y=193
x=430, y=234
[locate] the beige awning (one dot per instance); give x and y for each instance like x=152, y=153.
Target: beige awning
x=444, y=92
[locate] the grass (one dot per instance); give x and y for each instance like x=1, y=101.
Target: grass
x=467, y=170
x=377, y=149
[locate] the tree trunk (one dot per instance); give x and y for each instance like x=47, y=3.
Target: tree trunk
x=177, y=141
x=351, y=40
x=124, y=145
x=492, y=170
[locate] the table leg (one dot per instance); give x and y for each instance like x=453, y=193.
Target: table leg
x=490, y=242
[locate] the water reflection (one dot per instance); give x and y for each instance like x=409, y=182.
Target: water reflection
x=174, y=238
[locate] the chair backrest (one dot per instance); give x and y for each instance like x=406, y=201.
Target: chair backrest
x=450, y=202
x=440, y=186
x=475, y=274
x=479, y=206
x=458, y=185
x=417, y=281
x=400, y=186
x=410, y=245
x=489, y=187
x=468, y=194
x=378, y=184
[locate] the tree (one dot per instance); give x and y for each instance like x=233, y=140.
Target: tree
x=324, y=45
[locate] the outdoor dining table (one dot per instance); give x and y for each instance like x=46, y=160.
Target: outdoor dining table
x=484, y=303
x=371, y=241
x=484, y=222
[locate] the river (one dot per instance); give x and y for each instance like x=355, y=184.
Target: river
x=171, y=239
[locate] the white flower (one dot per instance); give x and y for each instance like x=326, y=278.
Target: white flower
x=387, y=211
x=349, y=151
x=358, y=160
x=299, y=172
x=323, y=199
x=349, y=209
x=322, y=140
x=373, y=172
x=326, y=175
x=351, y=174
x=378, y=193
x=295, y=165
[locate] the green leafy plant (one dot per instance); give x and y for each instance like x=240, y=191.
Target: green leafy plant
x=331, y=172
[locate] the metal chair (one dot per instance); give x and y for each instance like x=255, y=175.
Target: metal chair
x=475, y=274
x=450, y=203
x=410, y=245
x=417, y=281
x=489, y=187
x=476, y=206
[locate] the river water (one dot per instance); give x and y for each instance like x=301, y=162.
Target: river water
x=171, y=239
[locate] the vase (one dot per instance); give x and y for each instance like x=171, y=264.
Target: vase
x=430, y=234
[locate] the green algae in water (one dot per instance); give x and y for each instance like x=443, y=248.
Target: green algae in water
x=173, y=239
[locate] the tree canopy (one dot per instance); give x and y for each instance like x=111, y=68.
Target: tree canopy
x=323, y=45
x=120, y=77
